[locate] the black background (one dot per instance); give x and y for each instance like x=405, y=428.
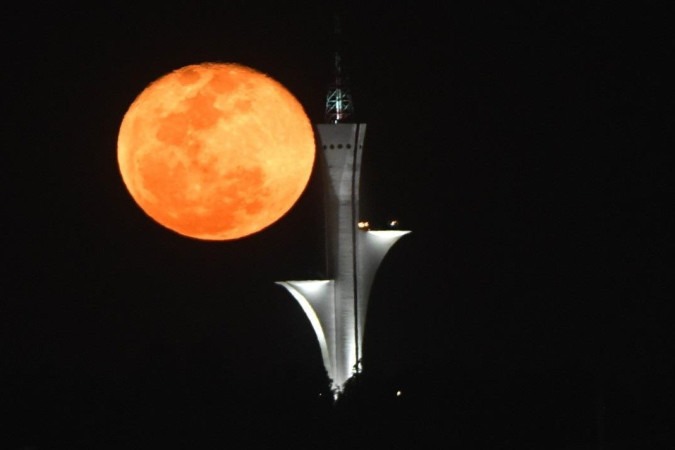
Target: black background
x=529, y=146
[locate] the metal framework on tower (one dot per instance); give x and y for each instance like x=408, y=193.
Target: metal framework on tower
x=339, y=105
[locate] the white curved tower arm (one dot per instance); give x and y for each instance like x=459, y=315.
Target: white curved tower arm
x=372, y=247
x=316, y=298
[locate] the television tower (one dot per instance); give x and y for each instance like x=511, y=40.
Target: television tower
x=336, y=307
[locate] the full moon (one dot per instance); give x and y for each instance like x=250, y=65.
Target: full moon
x=215, y=151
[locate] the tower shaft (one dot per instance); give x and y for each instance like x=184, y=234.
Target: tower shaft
x=341, y=150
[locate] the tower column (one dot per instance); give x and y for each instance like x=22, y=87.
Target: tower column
x=341, y=146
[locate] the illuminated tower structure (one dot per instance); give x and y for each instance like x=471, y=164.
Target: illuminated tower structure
x=336, y=307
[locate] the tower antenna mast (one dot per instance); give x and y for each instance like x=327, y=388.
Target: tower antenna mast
x=339, y=105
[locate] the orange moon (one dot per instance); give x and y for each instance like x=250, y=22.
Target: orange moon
x=215, y=151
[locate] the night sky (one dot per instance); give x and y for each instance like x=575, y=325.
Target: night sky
x=529, y=147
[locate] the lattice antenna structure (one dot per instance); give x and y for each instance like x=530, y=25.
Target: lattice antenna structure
x=339, y=105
